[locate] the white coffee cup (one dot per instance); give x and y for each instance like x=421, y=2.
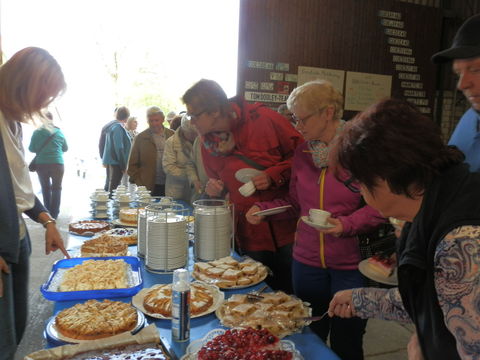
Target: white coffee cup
x=318, y=216
x=247, y=189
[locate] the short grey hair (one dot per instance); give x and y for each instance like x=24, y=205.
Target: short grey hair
x=152, y=110
x=315, y=95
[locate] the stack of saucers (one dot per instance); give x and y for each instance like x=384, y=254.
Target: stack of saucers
x=213, y=229
x=167, y=243
x=99, y=204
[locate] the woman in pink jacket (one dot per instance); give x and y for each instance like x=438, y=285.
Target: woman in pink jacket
x=324, y=261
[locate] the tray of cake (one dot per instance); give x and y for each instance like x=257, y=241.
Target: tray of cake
x=93, y=278
x=145, y=344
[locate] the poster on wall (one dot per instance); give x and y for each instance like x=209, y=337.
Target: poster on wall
x=307, y=73
x=363, y=89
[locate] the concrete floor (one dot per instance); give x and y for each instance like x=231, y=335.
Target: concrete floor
x=383, y=340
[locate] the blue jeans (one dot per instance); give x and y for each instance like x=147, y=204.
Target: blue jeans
x=51, y=176
x=317, y=286
x=14, y=303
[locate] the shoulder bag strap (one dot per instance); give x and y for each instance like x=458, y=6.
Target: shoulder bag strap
x=250, y=162
x=44, y=144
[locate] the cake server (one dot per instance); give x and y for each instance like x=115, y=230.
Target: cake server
x=312, y=318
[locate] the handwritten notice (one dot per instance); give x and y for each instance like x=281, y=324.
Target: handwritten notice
x=362, y=89
x=336, y=77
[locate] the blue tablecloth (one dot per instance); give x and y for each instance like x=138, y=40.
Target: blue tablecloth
x=309, y=345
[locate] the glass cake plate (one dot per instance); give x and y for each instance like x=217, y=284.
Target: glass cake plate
x=195, y=346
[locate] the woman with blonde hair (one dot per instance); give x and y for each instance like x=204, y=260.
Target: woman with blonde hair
x=131, y=127
x=324, y=260
x=29, y=82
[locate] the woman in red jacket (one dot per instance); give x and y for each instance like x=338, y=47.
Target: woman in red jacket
x=237, y=135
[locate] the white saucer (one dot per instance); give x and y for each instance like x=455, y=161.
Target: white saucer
x=307, y=221
x=366, y=270
x=245, y=175
x=273, y=211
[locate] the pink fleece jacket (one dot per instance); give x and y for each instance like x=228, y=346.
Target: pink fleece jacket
x=308, y=184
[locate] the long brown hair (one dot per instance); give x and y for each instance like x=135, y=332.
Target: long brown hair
x=393, y=141
x=29, y=81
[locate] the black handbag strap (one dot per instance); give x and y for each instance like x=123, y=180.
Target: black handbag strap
x=43, y=145
x=250, y=162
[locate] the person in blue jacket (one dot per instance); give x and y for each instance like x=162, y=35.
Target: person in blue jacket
x=49, y=162
x=465, y=56
x=117, y=148
x=29, y=81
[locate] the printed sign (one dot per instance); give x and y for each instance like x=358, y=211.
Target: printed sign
x=397, y=41
x=409, y=68
x=291, y=77
x=400, y=50
x=282, y=67
x=411, y=85
x=392, y=23
x=265, y=97
x=404, y=59
x=363, y=89
x=260, y=65
x=395, y=32
x=336, y=77
x=276, y=76
x=251, y=85
x=266, y=86
x=389, y=14
x=282, y=87
x=407, y=76
x=415, y=93
x=418, y=102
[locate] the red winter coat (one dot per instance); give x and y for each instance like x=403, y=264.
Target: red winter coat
x=269, y=139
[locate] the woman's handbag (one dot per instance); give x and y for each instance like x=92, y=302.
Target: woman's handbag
x=33, y=166
x=381, y=241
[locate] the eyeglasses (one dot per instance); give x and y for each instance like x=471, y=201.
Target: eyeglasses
x=304, y=119
x=352, y=185
x=192, y=117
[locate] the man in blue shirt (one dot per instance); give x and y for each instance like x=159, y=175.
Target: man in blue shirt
x=101, y=146
x=465, y=54
x=117, y=148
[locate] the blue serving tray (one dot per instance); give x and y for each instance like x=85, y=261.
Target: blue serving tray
x=93, y=294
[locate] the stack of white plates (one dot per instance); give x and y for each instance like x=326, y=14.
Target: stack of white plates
x=167, y=242
x=213, y=233
x=142, y=233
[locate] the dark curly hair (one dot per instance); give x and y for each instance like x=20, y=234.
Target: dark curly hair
x=393, y=141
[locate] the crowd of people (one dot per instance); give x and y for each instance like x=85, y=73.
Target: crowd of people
x=389, y=161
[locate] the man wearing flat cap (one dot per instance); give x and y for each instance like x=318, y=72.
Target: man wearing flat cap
x=465, y=55
x=145, y=162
